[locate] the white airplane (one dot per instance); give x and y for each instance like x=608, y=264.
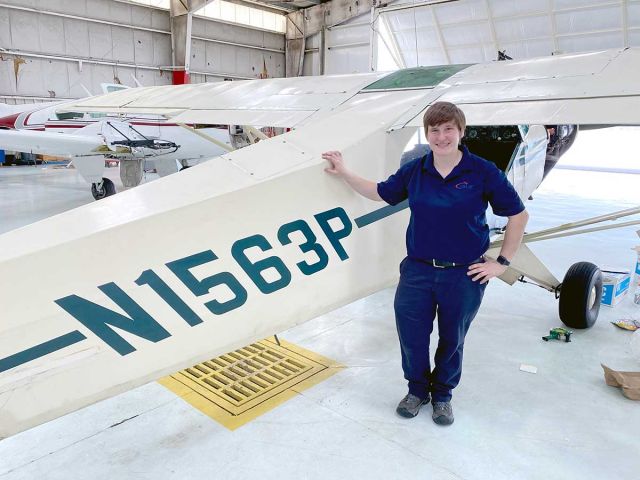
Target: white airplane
x=90, y=139
x=261, y=239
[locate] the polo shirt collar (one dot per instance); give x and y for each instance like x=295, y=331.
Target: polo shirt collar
x=463, y=166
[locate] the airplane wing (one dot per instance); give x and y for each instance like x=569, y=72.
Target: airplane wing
x=48, y=143
x=586, y=89
x=275, y=102
x=228, y=252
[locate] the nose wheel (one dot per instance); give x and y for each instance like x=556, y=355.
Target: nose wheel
x=103, y=189
x=580, y=294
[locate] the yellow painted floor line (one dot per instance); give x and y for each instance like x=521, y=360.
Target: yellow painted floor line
x=239, y=386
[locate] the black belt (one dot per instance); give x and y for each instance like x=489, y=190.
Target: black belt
x=443, y=264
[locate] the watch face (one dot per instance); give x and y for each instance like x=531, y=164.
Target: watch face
x=503, y=261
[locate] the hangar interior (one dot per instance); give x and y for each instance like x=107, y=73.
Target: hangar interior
x=524, y=409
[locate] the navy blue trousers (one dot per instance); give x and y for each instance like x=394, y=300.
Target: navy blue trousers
x=425, y=291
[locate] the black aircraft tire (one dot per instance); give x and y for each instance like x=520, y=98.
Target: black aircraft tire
x=580, y=295
x=108, y=189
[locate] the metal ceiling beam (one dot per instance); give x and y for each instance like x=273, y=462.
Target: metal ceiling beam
x=492, y=27
x=182, y=7
x=405, y=6
x=327, y=15
x=554, y=29
x=271, y=7
x=394, y=48
x=181, y=21
x=441, y=41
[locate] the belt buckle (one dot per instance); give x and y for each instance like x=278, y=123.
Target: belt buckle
x=433, y=262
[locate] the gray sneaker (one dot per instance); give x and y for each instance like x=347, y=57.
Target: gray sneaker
x=410, y=405
x=442, y=413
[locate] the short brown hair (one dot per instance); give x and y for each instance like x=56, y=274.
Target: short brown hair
x=442, y=112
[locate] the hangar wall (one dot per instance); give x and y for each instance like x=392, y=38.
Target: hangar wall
x=344, y=48
x=56, y=48
x=437, y=32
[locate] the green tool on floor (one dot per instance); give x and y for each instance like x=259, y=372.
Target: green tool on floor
x=558, y=334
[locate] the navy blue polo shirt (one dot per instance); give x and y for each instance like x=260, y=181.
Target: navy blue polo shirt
x=448, y=216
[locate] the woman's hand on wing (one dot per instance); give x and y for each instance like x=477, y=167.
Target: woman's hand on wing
x=336, y=163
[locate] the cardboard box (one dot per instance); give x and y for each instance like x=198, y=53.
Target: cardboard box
x=615, y=285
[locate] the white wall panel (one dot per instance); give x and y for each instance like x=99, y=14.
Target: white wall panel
x=234, y=59
x=107, y=73
x=460, y=12
x=633, y=14
x=528, y=49
x=213, y=56
x=75, y=7
x=22, y=33
x=581, y=43
x=455, y=35
x=50, y=31
x=512, y=29
x=143, y=47
x=122, y=41
x=160, y=20
x=100, y=45
x=562, y=4
x=311, y=63
x=275, y=64
x=83, y=41
x=347, y=60
x=5, y=28
x=7, y=79
x=120, y=12
x=347, y=46
x=589, y=20
x=79, y=78
x=198, y=59
x=227, y=61
x=467, y=54
x=54, y=78
x=30, y=78
x=473, y=31
x=161, y=49
x=142, y=17
x=98, y=9
x=77, y=39
x=509, y=8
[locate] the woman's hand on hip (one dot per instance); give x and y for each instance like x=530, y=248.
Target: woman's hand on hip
x=485, y=271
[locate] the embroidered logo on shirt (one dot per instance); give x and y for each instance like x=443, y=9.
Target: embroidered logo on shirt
x=463, y=185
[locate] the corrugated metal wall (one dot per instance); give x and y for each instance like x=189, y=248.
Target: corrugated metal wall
x=346, y=48
x=57, y=48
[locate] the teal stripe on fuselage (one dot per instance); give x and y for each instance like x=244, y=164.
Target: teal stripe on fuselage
x=41, y=350
x=379, y=214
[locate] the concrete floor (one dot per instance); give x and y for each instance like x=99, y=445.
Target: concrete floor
x=561, y=423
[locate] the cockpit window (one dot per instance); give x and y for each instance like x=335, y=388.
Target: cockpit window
x=69, y=115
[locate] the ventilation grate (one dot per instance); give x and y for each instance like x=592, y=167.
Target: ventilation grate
x=236, y=387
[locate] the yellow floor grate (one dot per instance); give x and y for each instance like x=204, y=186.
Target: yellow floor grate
x=239, y=386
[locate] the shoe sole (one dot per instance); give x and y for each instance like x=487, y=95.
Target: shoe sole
x=442, y=420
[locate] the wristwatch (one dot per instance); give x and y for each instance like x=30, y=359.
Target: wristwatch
x=503, y=261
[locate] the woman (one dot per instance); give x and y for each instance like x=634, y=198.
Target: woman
x=444, y=272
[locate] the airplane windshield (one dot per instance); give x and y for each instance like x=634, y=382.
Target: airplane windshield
x=69, y=115
x=416, y=77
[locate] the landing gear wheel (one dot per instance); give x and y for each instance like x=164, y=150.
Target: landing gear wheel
x=106, y=188
x=580, y=295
